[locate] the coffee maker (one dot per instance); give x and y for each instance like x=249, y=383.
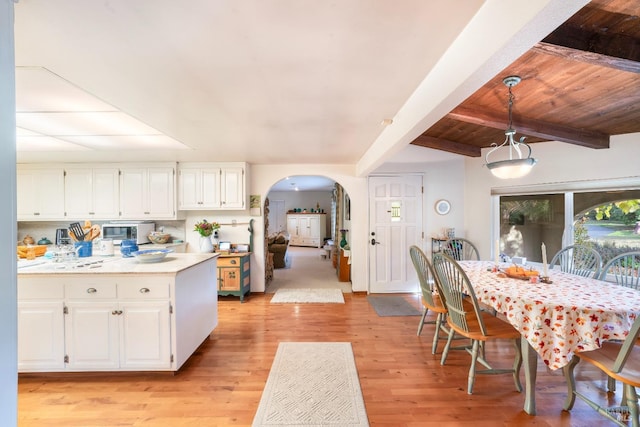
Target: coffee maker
x=62, y=236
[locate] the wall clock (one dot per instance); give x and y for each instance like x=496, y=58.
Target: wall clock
x=443, y=206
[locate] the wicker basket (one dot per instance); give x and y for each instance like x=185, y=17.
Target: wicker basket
x=159, y=238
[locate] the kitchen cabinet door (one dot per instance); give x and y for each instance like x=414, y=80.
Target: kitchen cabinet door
x=232, y=188
x=145, y=335
x=91, y=193
x=40, y=336
x=40, y=194
x=147, y=193
x=92, y=335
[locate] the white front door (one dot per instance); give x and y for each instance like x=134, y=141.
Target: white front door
x=395, y=215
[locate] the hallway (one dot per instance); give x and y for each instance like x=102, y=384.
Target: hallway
x=306, y=269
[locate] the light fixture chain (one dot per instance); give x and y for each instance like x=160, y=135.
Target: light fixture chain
x=510, y=107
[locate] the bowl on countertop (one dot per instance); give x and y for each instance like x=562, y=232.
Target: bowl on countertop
x=151, y=255
x=158, y=237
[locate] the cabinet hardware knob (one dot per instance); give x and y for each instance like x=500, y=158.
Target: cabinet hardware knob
x=144, y=290
x=114, y=312
x=119, y=312
x=92, y=291
x=233, y=261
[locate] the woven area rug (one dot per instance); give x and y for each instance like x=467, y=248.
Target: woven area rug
x=308, y=296
x=312, y=384
x=392, y=306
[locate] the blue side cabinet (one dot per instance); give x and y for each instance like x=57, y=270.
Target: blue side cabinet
x=234, y=275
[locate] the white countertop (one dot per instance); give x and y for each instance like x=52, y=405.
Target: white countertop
x=173, y=263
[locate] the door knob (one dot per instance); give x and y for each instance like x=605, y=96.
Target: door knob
x=373, y=242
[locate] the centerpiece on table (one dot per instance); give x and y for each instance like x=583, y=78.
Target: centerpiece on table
x=206, y=229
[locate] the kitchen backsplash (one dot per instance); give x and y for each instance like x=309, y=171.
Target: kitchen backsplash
x=41, y=229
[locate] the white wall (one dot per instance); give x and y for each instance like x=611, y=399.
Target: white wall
x=8, y=280
x=557, y=163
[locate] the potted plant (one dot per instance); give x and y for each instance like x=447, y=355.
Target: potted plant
x=206, y=229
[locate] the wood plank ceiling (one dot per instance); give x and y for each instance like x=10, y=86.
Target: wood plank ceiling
x=580, y=85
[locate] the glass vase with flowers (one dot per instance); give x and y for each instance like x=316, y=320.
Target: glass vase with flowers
x=206, y=229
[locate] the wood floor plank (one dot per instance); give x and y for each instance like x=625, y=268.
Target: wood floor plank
x=403, y=384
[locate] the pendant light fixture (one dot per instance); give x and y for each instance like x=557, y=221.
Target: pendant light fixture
x=516, y=165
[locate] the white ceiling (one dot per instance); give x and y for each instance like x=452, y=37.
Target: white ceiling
x=264, y=81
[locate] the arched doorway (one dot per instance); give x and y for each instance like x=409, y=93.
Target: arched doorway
x=303, y=216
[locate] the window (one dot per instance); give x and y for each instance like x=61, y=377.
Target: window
x=528, y=220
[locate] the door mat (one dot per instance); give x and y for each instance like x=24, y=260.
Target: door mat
x=285, y=295
x=312, y=384
x=392, y=306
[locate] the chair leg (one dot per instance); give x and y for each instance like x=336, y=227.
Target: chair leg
x=571, y=383
x=445, y=352
x=436, y=334
x=421, y=324
x=632, y=404
x=517, y=364
x=472, y=370
x=611, y=385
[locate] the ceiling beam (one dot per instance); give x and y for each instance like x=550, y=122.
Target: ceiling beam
x=447, y=145
x=588, y=57
x=595, y=46
x=537, y=128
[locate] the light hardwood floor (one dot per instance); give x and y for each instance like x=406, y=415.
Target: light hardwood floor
x=402, y=382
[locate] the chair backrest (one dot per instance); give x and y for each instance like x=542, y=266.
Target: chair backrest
x=627, y=346
x=425, y=272
x=580, y=260
x=461, y=249
x=458, y=292
x=624, y=269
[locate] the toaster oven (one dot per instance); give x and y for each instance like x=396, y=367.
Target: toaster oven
x=138, y=231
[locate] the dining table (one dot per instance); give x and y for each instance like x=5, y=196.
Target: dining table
x=557, y=318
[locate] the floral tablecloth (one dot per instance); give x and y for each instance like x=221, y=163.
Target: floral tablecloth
x=570, y=315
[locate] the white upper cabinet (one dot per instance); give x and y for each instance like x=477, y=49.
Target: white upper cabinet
x=232, y=185
x=212, y=186
x=198, y=188
x=147, y=192
x=91, y=193
x=40, y=193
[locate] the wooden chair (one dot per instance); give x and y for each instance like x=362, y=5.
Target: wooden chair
x=461, y=249
x=577, y=259
x=620, y=360
x=470, y=321
x=624, y=269
x=430, y=301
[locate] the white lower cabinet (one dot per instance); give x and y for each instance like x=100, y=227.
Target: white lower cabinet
x=95, y=323
x=145, y=338
x=91, y=336
x=116, y=322
x=40, y=325
x=41, y=332
x=111, y=324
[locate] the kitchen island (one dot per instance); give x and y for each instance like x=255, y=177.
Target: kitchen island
x=114, y=313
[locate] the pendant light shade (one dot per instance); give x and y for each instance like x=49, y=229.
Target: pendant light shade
x=515, y=166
